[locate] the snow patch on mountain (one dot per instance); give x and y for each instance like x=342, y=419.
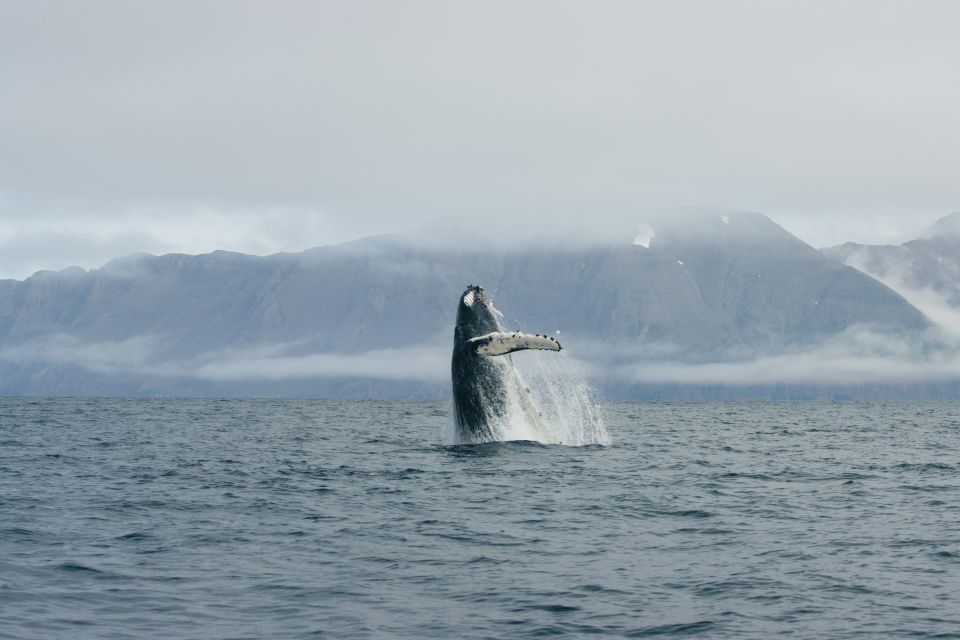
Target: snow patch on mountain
x=644, y=236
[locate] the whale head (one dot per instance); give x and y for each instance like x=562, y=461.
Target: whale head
x=476, y=314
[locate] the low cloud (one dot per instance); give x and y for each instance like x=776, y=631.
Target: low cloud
x=143, y=356
x=76, y=236
x=138, y=355
x=856, y=356
x=425, y=364
x=859, y=355
x=897, y=273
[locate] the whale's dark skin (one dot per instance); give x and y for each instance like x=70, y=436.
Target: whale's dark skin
x=481, y=383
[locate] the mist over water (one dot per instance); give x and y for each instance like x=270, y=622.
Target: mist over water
x=294, y=519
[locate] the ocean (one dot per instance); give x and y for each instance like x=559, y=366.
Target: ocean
x=134, y=518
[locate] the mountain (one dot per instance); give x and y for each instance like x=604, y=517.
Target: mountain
x=375, y=316
x=924, y=264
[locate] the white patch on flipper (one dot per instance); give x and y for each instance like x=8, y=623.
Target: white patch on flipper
x=498, y=344
x=468, y=299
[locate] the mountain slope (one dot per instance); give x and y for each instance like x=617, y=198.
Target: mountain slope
x=706, y=289
x=931, y=263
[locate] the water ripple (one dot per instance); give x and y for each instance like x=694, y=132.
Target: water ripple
x=298, y=519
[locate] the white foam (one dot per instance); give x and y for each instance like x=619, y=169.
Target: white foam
x=568, y=413
x=550, y=402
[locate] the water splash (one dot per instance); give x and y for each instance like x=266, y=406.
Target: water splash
x=568, y=411
x=551, y=403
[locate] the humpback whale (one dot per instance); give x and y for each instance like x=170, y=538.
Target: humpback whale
x=485, y=385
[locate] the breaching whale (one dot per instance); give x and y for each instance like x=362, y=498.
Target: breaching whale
x=486, y=387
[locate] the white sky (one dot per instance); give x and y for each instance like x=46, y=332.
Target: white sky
x=195, y=125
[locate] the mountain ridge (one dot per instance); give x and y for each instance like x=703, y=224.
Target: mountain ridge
x=927, y=263
x=715, y=287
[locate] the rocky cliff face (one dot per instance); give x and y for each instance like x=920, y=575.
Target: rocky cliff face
x=712, y=288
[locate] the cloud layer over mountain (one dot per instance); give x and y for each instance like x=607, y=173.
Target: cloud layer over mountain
x=174, y=126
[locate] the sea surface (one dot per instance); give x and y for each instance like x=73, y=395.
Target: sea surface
x=123, y=518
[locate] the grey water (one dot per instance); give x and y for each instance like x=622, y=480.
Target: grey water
x=275, y=519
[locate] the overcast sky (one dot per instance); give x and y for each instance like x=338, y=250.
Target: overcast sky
x=190, y=126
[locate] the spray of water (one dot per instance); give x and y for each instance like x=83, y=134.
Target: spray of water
x=551, y=402
x=568, y=411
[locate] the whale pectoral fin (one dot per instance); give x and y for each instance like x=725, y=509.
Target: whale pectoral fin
x=500, y=344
